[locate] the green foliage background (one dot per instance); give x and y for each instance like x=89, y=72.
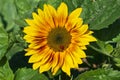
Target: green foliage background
x=103, y=61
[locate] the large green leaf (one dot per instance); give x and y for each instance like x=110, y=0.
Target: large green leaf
x=100, y=74
x=100, y=13
x=29, y=74
x=6, y=73
x=9, y=13
x=3, y=40
x=25, y=9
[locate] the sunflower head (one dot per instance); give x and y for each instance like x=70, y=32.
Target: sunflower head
x=57, y=39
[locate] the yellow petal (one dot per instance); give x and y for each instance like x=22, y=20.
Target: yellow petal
x=47, y=56
x=89, y=38
x=55, y=61
x=31, y=52
x=38, y=44
x=75, y=48
x=31, y=31
x=75, y=14
x=42, y=18
x=43, y=21
x=39, y=22
x=35, y=58
x=89, y=32
x=69, y=60
x=80, y=52
x=62, y=12
x=28, y=38
x=36, y=18
x=44, y=67
x=46, y=62
x=54, y=14
x=72, y=23
x=83, y=29
x=36, y=65
x=34, y=39
x=75, y=54
x=48, y=16
x=82, y=42
x=60, y=56
x=83, y=47
x=79, y=42
x=40, y=12
x=79, y=24
x=76, y=59
x=66, y=68
x=30, y=22
x=38, y=56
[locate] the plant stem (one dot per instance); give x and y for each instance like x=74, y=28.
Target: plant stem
x=98, y=50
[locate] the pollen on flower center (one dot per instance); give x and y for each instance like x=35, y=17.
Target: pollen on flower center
x=59, y=39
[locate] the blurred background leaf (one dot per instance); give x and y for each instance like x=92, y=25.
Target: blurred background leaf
x=29, y=74
x=100, y=13
x=116, y=55
x=100, y=74
x=117, y=38
x=5, y=72
x=3, y=40
x=9, y=13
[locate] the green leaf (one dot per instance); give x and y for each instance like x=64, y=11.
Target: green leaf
x=9, y=13
x=70, y=5
x=6, y=73
x=29, y=74
x=100, y=74
x=100, y=13
x=3, y=40
x=14, y=49
x=117, y=62
x=25, y=8
x=103, y=47
x=107, y=34
x=77, y=3
x=106, y=48
x=16, y=42
x=117, y=38
x=116, y=52
x=116, y=55
x=54, y=3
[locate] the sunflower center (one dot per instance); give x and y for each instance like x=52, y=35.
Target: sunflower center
x=59, y=39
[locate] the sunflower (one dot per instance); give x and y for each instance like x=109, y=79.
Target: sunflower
x=56, y=39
